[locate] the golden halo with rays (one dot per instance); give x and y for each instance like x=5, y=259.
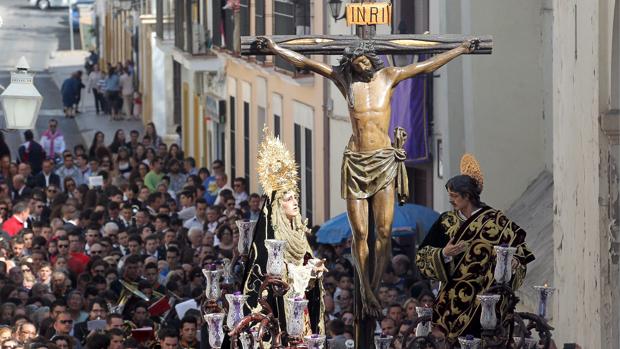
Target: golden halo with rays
x=276, y=166
x=471, y=167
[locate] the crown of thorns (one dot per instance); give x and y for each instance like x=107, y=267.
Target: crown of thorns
x=361, y=48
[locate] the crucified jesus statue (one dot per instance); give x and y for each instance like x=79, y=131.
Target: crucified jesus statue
x=371, y=164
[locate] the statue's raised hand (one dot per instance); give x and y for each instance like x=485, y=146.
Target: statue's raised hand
x=264, y=43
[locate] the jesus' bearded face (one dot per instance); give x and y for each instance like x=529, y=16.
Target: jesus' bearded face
x=364, y=68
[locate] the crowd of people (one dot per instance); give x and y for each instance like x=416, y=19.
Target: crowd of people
x=152, y=220
x=112, y=89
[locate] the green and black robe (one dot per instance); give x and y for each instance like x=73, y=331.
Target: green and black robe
x=456, y=310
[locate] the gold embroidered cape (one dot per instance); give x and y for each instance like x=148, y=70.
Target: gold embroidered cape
x=456, y=309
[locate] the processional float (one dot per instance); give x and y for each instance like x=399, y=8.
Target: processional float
x=252, y=330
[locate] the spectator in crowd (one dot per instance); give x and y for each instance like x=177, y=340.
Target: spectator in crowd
x=118, y=141
x=16, y=223
x=151, y=132
x=113, y=93
x=78, y=96
x=52, y=140
x=221, y=181
x=154, y=176
x=240, y=191
x=189, y=165
x=4, y=148
x=97, y=310
x=168, y=339
x=20, y=190
x=212, y=189
x=177, y=178
x=92, y=86
x=31, y=152
x=254, y=206
x=69, y=170
x=126, y=83
x=70, y=90
x=189, y=326
x=47, y=178
x=336, y=332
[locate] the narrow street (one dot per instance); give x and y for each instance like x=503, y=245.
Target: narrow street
x=37, y=35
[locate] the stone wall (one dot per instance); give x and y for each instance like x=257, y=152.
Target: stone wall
x=583, y=303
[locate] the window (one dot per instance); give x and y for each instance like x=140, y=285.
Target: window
x=233, y=160
x=179, y=24
x=159, y=19
x=303, y=158
x=302, y=17
x=283, y=24
x=259, y=22
x=218, y=22
x=276, y=109
x=276, y=125
x=290, y=18
x=244, y=14
x=308, y=174
x=246, y=140
x=228, y=28
x=176, y=98
x=260, y=116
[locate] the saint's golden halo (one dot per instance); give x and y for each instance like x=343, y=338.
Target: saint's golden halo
x=471, y=167
x=276, y=166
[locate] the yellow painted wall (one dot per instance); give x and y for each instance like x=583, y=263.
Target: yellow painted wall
x=196, y=129
x=309, y=92
x=186, y=121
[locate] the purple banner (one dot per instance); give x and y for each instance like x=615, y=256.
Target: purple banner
x=409, y=112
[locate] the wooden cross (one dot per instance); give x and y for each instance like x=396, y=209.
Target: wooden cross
x=384, y=44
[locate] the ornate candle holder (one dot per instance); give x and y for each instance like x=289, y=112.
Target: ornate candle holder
x=315, y=341
x=503, y=266
x=263, y=322
x=212, y=292
x=544, y=293
x=227, y=276
x=295, y=309
x=246, y=230
x=275, y=257
x=246, y=340
x=469, y=342
x=249, y=339
x=215, y=323
x=235, y=308
x=383, y=341
x=424, y=327
x=488, y=318
x=528, y=343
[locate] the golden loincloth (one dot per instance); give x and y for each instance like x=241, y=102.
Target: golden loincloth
x=367, y=172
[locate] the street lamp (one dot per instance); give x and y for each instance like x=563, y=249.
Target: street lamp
x=334, y=8
x=20, y=100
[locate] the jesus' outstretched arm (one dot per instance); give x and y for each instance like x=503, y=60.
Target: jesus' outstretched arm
x=298, y=60
x=430, y=65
